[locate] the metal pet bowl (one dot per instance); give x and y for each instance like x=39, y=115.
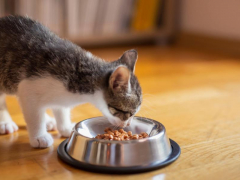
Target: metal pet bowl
x=84, y=151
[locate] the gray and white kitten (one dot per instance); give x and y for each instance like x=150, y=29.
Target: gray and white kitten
x=45, y=71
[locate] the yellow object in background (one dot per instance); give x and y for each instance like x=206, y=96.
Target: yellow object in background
x=138, y=15
x=145, y=15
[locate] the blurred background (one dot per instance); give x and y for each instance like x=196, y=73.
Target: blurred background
x=201, y=24
x=99, y=22
x=188, y=67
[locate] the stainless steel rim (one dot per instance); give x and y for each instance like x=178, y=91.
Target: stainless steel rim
x=127, y=142
x=63, y=155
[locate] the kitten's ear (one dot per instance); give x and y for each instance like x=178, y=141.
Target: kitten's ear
x=129, y=58
x=119, y=79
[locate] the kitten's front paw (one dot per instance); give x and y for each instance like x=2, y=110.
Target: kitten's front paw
x=51, y=126
x=43, y=141
x=66, y=131
x=50, y=123
x=7, y=127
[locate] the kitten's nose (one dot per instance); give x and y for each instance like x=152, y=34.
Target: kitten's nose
x=129, y=121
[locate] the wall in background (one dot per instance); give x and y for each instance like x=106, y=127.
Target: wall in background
x=211, y=18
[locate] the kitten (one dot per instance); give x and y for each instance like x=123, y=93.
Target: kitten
x=45, y=71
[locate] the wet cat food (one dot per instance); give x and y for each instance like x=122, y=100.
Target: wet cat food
x=120, y=135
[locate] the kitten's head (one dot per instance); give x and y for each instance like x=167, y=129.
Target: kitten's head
x=123, y=95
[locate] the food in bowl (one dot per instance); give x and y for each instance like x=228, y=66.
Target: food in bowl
x=120, y=135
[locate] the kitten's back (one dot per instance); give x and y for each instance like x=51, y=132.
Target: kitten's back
x=30, y=50
x=26, y=48
x=23, y=29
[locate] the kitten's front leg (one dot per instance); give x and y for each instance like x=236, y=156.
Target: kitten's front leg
x=38, y=135
x=50, y=122
x=64, y=125
x=36, y=125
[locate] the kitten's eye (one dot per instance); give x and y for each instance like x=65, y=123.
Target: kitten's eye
x=121, y=111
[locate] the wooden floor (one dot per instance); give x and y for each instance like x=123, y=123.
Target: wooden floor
x=195, y=95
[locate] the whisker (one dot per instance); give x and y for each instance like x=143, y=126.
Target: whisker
x=152, y=95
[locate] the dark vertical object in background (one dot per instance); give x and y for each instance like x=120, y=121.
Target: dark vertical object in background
x=127, y=14
x=9, y=7
x=160, y=14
